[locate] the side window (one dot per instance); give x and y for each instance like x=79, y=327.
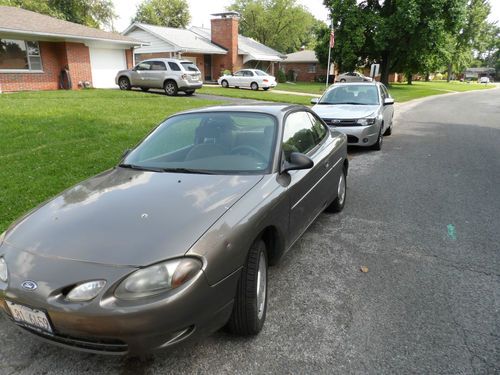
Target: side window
x=248, y=73
x=319, y=130
x=158, y=65
x=143, y=66
x=174, y=66
x=298, y=134
x=239, y=74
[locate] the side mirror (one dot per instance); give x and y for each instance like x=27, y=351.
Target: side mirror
x=388, y=101
x=314, y=100
x=297, y=161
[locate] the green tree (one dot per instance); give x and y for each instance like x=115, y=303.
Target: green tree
x=169, y=13
x=93, y=13
x=280, y=24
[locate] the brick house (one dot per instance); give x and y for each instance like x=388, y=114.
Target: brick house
x=35, y=48
x=304, y=66
x=212, y=50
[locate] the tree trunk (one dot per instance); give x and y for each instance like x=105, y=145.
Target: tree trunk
x=409, y=77
x=449, y=72
x=427, y=77
x=384, y=68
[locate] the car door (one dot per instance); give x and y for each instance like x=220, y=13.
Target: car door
x=248, y=78
x=155, y=76
x=309, y=189
x=387, y=110
x=138, y=75
x=236, y=79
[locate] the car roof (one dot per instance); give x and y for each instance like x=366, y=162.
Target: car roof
x=276, y=109
x=166, y=59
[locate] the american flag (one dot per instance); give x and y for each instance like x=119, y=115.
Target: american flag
x=332, y=39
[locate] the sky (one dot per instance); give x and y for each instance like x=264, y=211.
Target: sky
x=201, y=9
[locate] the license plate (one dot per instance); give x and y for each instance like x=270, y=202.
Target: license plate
x=30, y=317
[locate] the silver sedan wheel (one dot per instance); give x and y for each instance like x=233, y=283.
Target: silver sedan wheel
x=341, y=189
x=261, y=285
x=124, y=84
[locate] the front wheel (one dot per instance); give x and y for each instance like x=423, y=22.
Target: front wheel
x=338, y=204
x=250, y=303
x=225, y=84
x=170, y=88
x=254, y=86
x=378, y=145
x=124, y=83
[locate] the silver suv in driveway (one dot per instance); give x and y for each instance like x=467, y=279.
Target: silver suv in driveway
x=172, y=75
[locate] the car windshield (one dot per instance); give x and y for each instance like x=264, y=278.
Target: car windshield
x=351, y=94
x=260, y=73
x=189, y=66
x=208, y=142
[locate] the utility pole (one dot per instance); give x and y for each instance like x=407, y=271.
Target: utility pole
x=331, y=43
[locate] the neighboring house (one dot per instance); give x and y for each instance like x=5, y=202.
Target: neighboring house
x=303, y=66
x=476, y=73
x=212, y=50
x=35, y=48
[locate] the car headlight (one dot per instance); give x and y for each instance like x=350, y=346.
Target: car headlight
x=4, y=273
x=86, y=291
x=367, y=121
x=158, y=278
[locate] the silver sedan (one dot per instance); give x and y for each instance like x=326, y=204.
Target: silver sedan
x=362, y=111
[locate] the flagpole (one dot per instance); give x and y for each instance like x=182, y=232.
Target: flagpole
x=329, y=55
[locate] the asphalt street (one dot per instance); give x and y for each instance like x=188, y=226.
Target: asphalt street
x=422, y=215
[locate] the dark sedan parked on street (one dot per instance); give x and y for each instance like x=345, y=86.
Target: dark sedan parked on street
x=175, y=241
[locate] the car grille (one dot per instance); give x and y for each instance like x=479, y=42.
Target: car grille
x=352, y=139
x=103, y=345
x=343, y=122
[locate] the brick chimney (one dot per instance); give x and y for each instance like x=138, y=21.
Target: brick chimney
x=225, y=34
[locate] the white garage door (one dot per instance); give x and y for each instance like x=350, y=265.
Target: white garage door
x=105, y=64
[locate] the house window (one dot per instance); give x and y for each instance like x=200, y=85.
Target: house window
x=311, y=68
x=20, y=55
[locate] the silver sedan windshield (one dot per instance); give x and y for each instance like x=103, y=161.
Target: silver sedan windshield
x=217, y=142
x=351, y=94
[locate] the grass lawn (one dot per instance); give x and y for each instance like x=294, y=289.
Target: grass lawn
x=256, y=95
x=306, y=87
x=52, y=140
x=403, y=92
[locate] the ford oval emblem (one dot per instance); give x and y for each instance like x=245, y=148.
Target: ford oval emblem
x=29, y=285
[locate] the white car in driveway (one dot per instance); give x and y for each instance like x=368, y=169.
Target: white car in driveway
x=252, y=78
x=353, y=77
x=484, y=80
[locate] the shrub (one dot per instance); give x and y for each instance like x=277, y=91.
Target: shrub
x=290, y=75
x=281, y=76
x=438, y=77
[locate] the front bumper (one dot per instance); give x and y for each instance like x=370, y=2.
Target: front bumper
x=360, y=135
x=110, y=326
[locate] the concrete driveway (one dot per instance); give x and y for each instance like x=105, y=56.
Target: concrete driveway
x=422, y=215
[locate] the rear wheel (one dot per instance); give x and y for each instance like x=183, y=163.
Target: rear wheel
x=254, y=86
x=170, y=88
x=225, y=84
x=338, y=204
x=250, y=304
x=124, y=83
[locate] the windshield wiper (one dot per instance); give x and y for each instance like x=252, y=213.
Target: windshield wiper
x=141, y=168
x=186, y=170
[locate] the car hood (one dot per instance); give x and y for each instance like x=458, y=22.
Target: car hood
x=129, y=217
x=344, y=111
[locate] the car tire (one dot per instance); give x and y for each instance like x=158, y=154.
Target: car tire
x=388, y=131
x=170, y=88
x=265, y=88
x=250, y=303
x=225, y=84
x=338, y=204
x=342, y=80
x=380, y=140
x=190, y=92
x=124, y=83
x=254, y=86
x=145, y=89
